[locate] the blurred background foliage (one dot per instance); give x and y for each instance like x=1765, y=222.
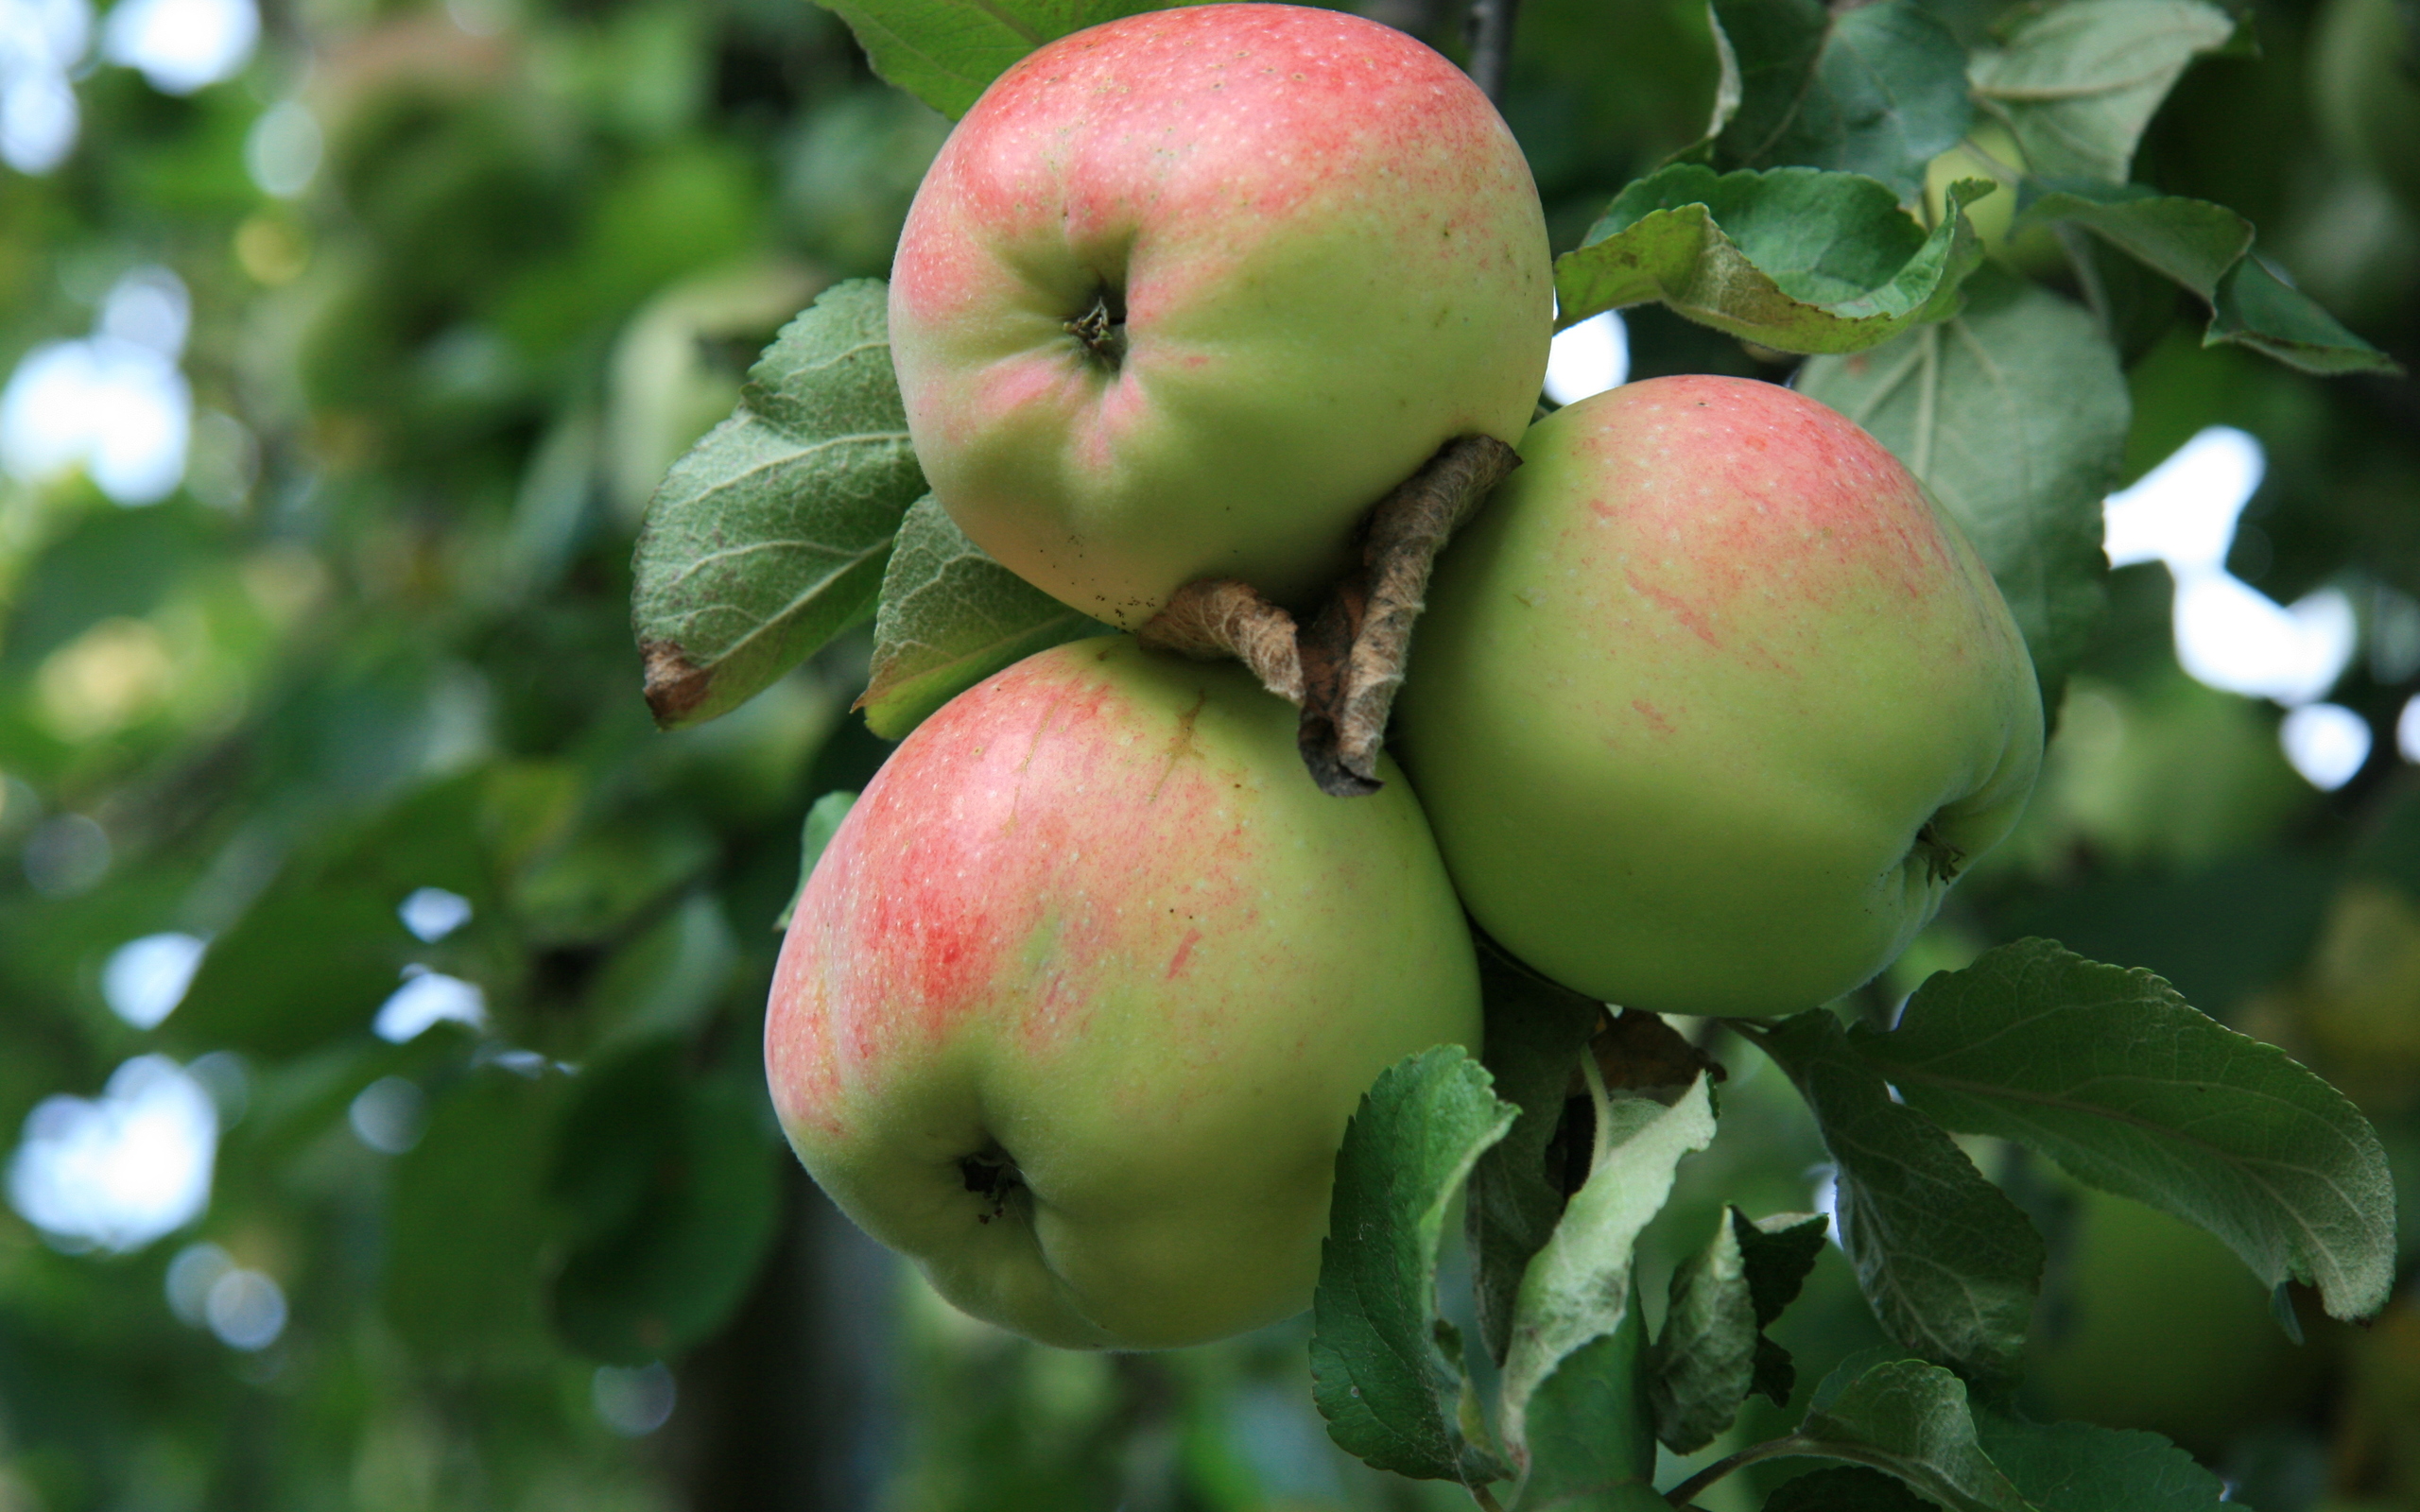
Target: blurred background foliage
x=380, y=993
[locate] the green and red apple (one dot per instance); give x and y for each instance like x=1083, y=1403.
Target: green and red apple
x=1186, y=294
x=1711, y=703
x=1076, y=1005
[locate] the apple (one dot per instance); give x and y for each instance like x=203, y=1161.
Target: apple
x=1186, y=294
x=1711, y=703
x=1076, y=1001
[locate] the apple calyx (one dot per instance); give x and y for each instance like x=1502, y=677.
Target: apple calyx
x=1942, y=861
x=1342, y=666
x=990, y=1173
x=1101, y=329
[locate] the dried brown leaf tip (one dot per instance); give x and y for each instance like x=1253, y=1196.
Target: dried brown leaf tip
x=1354, y=649
x=1220, y=617
x=675, y=686
x=1641, y=1055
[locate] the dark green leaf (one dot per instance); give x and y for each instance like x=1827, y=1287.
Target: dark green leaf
x=2078, y=82
x=2013, y=413
x=468, y=1224
x=1579, y=1287
x=1704, y=1357
x=1535, y=1030
x=1950, y=1264
x=665, y=981
x=1878, y=89
x=2258, y=309
x=1846, y=1489
x=945, y=51
x=1389, y=1395
x=950, y=617
x=2082, y=1467
x=1797, y=259
x=1910, y=1419
x=673, y=1188
x=1776, y=1252
x=2129, y=1087
x=822, y=823
x=770, y=536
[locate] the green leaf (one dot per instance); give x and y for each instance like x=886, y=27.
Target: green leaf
x=259, y=989
x=1578, y=1288
x=1705, y=1355
x=950, y=617
x=674, y=1189
x=2207, y=249
x=2129, y=1087
x=770, y=536
x=1778, y=1252
x=822, y=823
x=2082, y=1468
x=467, y=1221
x=1390, y=1395
x=1846, y=1489
x=1535, y=1033
x=1878, y=90
x=2078, y=82
x=945, y=51
x=1797, y=259
x=1590, y=1446
x=1910, y=1419
x=2258, y=309
x=2013, y=413
x=1950, y=1264
x=2192, y=241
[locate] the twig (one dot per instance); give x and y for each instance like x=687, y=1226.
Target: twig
x=1687, y=1492
x=1487, y=1502
x=1491, y=32
x=1220, y=617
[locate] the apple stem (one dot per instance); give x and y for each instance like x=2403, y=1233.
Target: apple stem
x=1487, y=1502
x=1220, y=617
x=1354, y=651
x=1343, y=666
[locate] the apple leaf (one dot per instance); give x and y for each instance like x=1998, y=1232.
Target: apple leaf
x=769, y=536
x=1910, y=1419
x=2129, y=1087
x=950, y=617
x=2077, y=83
x=1845, y=1488
x=822, y=823
x=1878, y=90
x=2013, y=413
x=2258, y=309
x=1950, y=1264
x=944, y=52
x=1589, y=1444
x=1579, y=1287
x=2084, y=1468
x=1798, y=259
x=1535, y=1031
x=2207, y=249
x=1385, y=1371
x=674, y=1189
x=1705, y=1359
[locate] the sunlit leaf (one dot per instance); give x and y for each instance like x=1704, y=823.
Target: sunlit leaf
x=950, y=617
x=1797, y=259
x=2078, y=82
x=945, y=51
x=770, y=536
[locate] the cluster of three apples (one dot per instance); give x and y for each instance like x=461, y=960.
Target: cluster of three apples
x=1076, y=1005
